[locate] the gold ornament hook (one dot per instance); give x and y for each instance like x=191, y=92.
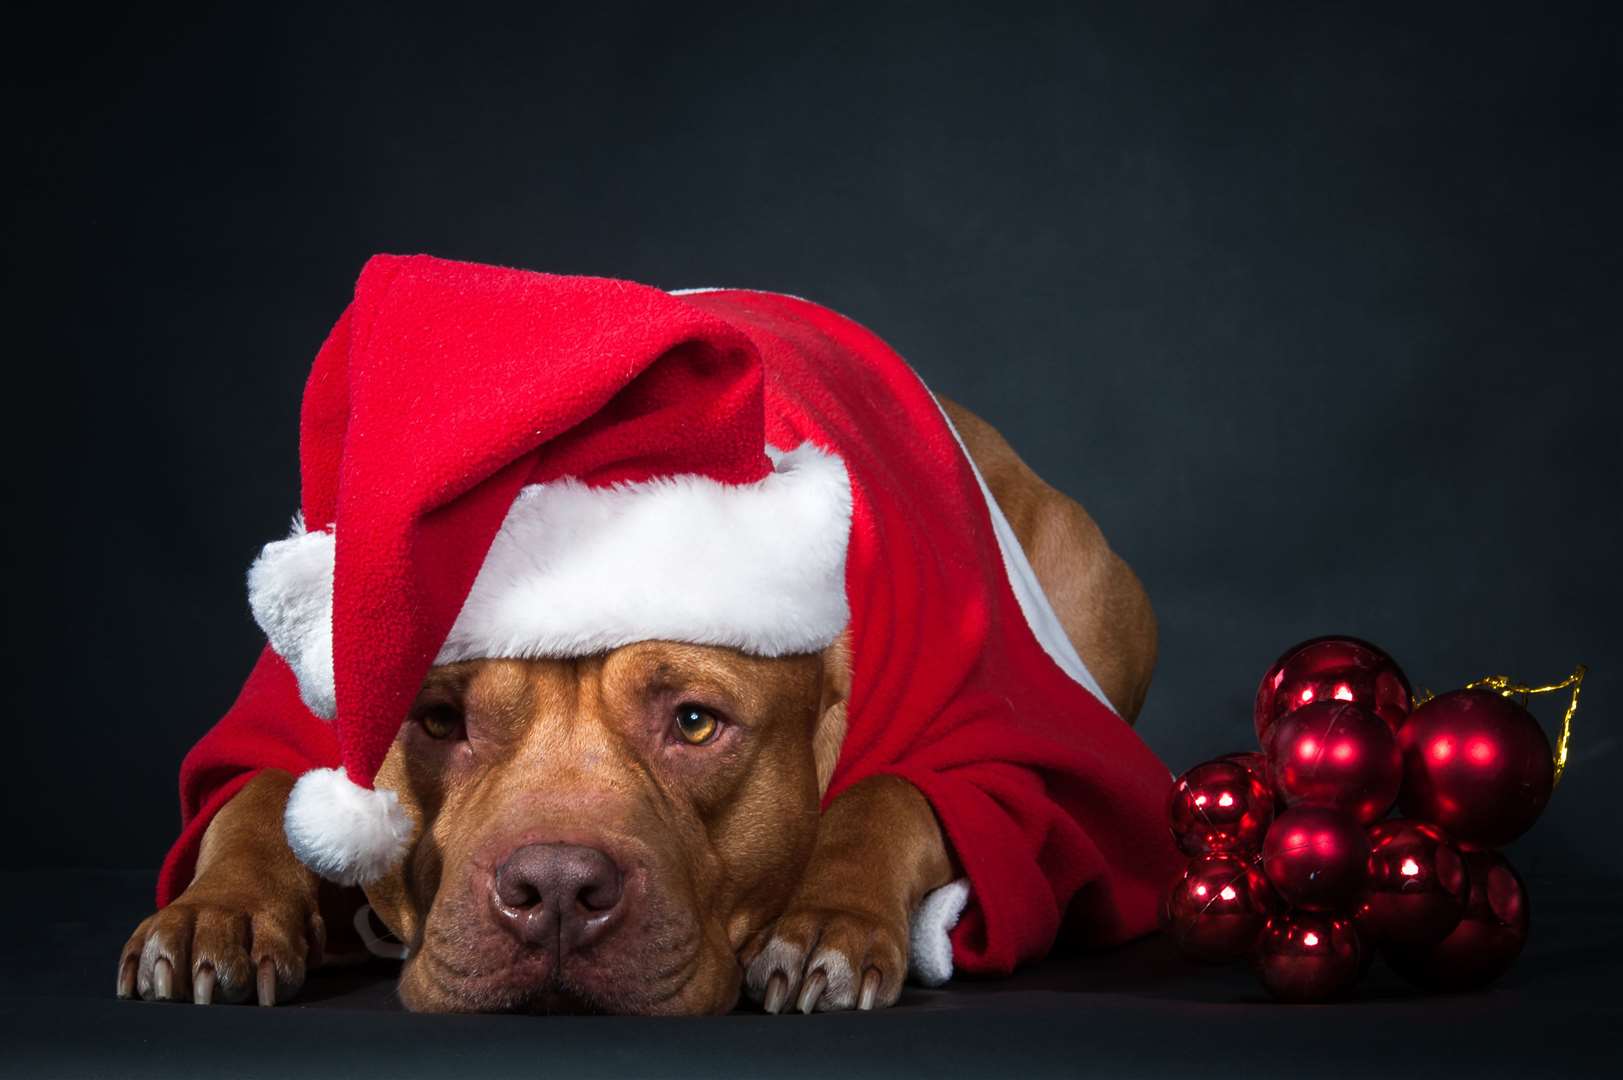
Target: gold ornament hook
x=1505, y=686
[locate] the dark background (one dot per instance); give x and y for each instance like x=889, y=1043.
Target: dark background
x=1313, y=307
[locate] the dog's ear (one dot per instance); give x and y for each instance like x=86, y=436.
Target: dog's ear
x=390, y=896
x=828, y=736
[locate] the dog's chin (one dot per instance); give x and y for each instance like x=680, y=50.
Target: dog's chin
x=537, y=985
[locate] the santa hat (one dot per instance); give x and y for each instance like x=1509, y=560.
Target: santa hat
x=498, y=463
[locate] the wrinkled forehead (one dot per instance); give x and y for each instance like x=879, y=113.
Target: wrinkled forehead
x=630, y=672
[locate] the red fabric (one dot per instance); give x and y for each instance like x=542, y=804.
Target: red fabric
x=268, y=727
x=1049, y=800
x=1045, y=794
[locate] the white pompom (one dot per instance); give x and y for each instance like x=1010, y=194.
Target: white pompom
x=344, y=832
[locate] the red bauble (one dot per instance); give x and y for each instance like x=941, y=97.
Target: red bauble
x=1306, y=956
x=1334, y=668
x=1417, y=885
x=1219, y=806
x=1215, y=911
x=1316, y=858
x=1487, y=940
x=1477, y=765
x=1335, y=753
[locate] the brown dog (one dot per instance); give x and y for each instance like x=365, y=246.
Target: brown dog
x=556, y=873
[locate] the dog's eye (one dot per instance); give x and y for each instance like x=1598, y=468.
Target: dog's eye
x=695, y=724
x=440, y=722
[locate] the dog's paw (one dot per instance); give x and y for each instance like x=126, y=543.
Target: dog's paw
x=824, y=960
x=210, y=948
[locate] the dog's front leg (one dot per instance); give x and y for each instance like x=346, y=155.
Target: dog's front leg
x=248, y=925
x=842, y=942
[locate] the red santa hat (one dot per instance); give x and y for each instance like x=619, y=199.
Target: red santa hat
x=497, y=463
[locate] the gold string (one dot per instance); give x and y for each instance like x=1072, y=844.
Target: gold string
x=1505, y=686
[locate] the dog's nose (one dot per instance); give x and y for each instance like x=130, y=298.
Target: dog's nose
x=557, y=895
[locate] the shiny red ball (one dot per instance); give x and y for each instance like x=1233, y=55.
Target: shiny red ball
x=1216, y=909
x=1335, y=753
x=1487, y=940
x=1337, y=669
x=1317, y=858
x=1417, y=885
x=1307, y=956
x=1477, y=765
x=1219, y=806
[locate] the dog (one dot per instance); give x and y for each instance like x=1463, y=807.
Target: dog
x=559, y=867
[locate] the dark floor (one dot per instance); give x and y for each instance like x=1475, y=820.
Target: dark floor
x=1136, y=1011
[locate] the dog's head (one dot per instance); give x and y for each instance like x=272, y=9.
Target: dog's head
x=605, y=833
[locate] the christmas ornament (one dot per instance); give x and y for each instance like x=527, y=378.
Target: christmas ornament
x=1342, y=740
x=1308, y=956
x=1336, y=669
x=1219, y=806
x=1505, y=685
x=1477, y=764
x=1335, y=753
x=1417, y=885
x=1487, y=939
x=1216, y=909
x=1317, y=858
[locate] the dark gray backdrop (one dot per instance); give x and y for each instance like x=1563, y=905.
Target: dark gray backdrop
x=1313, y=308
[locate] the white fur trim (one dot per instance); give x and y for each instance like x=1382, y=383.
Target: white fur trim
x=929, y=953
x=344, y=832
x=576, y=570
x=290, y=592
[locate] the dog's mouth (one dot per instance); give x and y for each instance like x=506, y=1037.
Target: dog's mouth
x=618, y=981
x=569, y=926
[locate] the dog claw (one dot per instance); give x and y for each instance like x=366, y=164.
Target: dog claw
x=267, y=981
x=126, y=976
x=870, y=990
x=203, y=985
x=777, y=990
x=163, y=980
x=815, y=985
